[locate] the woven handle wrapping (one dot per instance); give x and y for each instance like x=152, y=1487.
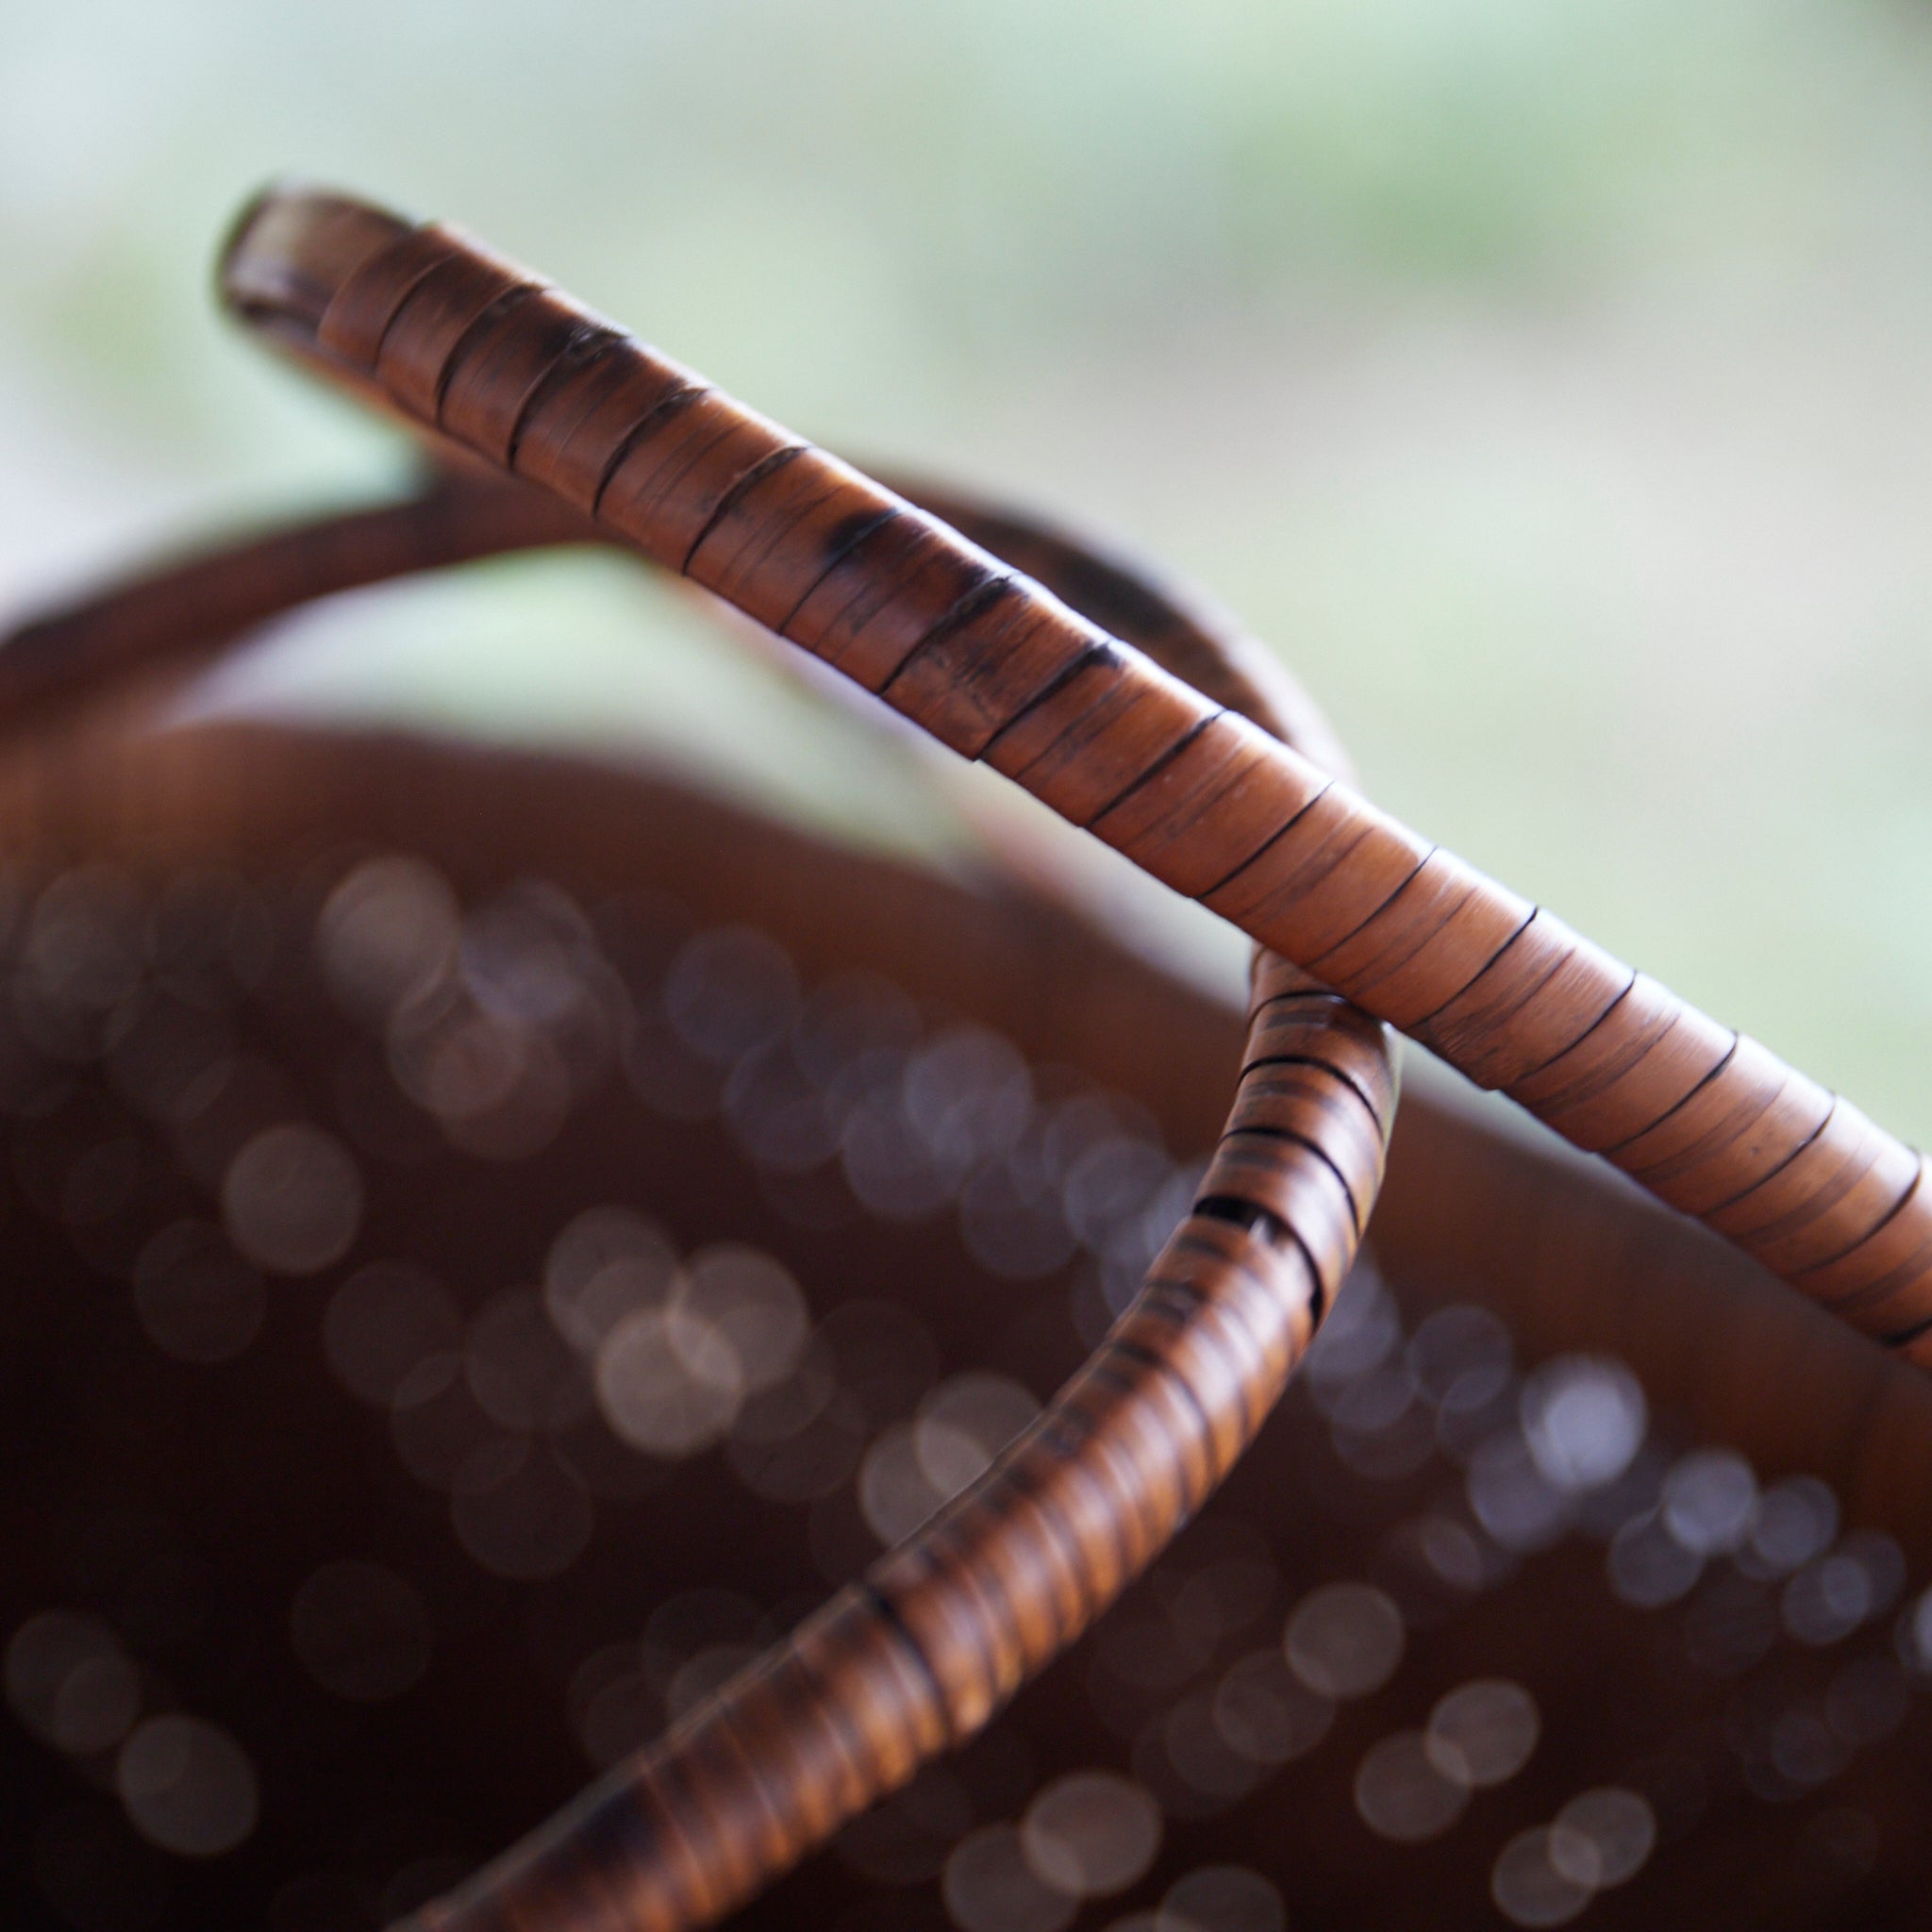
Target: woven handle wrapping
x=1710, y=1120
x=919, y=1655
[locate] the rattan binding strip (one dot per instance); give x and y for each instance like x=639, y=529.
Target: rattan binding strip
x=487, y=355
x=918, y=1654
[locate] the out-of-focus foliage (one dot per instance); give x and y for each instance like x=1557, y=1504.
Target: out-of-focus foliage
x=1553, y=384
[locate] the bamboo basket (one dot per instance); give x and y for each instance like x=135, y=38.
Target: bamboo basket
x=526, y=1270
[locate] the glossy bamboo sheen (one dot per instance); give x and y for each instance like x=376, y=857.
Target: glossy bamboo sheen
x=916, y=1657
x=481, y=353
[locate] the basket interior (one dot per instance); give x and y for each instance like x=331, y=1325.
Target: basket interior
x=494, y=1241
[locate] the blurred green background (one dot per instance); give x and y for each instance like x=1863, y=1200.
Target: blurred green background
x=1551, y=384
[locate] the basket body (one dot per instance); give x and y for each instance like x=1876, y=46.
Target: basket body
x=127, y=1490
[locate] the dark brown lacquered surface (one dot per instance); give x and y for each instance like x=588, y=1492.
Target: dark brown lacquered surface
x=117, y=1453
x=917, y=1656
x=999, y=670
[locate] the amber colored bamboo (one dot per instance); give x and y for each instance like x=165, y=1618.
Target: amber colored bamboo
x=480, y=352
x=917, y=1656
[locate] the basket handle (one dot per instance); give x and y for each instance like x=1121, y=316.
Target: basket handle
x=476, y=350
